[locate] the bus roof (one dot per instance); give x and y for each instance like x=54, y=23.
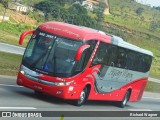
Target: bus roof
x=120, y=42
x=74, y=32
x=85, y=33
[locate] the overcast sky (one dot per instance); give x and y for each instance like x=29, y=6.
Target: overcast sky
x=151, y=2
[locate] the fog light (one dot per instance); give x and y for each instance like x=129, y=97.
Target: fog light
x=20, y=81
x=59, y=92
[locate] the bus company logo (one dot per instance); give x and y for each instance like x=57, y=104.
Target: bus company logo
x=6, y=114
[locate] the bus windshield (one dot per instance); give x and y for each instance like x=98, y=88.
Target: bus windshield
x=51, y=54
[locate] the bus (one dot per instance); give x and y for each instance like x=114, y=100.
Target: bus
x=78, y=63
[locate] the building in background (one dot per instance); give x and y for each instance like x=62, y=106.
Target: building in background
x=19, y=7
x=87, y=5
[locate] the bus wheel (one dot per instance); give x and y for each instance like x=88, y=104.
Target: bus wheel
x=123, y=103
x=83, y=97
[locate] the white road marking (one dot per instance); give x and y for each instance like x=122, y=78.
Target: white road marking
x=17, y=108
x=10, y=85
x=151, y=98
x=139, y=110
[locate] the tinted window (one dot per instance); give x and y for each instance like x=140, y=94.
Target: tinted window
x=115, y=56
x=138, y=62
x=102, y=54
x=131, y=60
x=86, y=56
x=121, y=58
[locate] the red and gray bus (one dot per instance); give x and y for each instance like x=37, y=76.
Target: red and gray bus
x=79, y=63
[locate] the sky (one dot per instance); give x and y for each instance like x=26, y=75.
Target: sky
x=152, y=3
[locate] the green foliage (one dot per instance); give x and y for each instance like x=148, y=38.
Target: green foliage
x=14, y=28
x=152, y=86
x=9, y=63
x=10, y=33
x=74, y=13
x=154, y=25
x=77, y=9
x=139, y=11
x=157, y=8
x=5, y=3
x=98, y=10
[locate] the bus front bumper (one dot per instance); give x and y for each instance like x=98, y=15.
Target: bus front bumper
x=64, y=92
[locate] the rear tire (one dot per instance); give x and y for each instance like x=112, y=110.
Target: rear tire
x=123, y=103
x=83, y=97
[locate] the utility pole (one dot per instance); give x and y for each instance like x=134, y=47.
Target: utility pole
x=4, y=14
x=5, y=4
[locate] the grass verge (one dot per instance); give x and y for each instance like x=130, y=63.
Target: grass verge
x=9, y=63
x=10, y=33
x=153, y=87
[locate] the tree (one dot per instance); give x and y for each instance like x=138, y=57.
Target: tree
x=77, y=9
x=139, y=11
x=157, y=8
x=154, y=25
x=74, y=13
x=5, y=3
x=99, y=10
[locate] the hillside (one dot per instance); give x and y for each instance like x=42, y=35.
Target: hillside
x=137, y=24
x=135, y=16
x=20, y=18
x=17, y=17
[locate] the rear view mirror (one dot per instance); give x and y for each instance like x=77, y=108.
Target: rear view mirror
x=23, y=35
x=80, y=51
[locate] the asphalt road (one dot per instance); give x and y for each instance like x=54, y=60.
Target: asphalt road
x=11, y=49
x=17, y=98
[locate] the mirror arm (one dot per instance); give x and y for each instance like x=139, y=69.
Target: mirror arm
x=23, y=35
x=80, y=51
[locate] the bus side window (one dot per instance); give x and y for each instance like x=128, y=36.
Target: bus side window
x=99, y=57
x=131, y=59
x=121, y=58
x=112, y=56
x=86, y=55
x=138, y=61
x=148, y=61
x=144, y=63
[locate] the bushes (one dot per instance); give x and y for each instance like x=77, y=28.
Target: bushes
x=14, y=28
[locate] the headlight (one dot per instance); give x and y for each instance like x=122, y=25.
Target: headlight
x=63, y=83
x=22, y=72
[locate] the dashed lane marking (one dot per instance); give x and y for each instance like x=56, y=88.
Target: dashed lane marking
x=151, y=98
x=139, y=110
x=19, y=108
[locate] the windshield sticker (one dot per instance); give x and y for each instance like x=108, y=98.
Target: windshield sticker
x=49, y=36
x=46, y=67
x=46, y=35
x=42, y=34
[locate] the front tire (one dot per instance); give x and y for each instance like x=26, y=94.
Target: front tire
x=123, y=103
x=83, y=97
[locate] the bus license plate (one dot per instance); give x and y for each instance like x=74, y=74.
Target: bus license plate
x=38, y=87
